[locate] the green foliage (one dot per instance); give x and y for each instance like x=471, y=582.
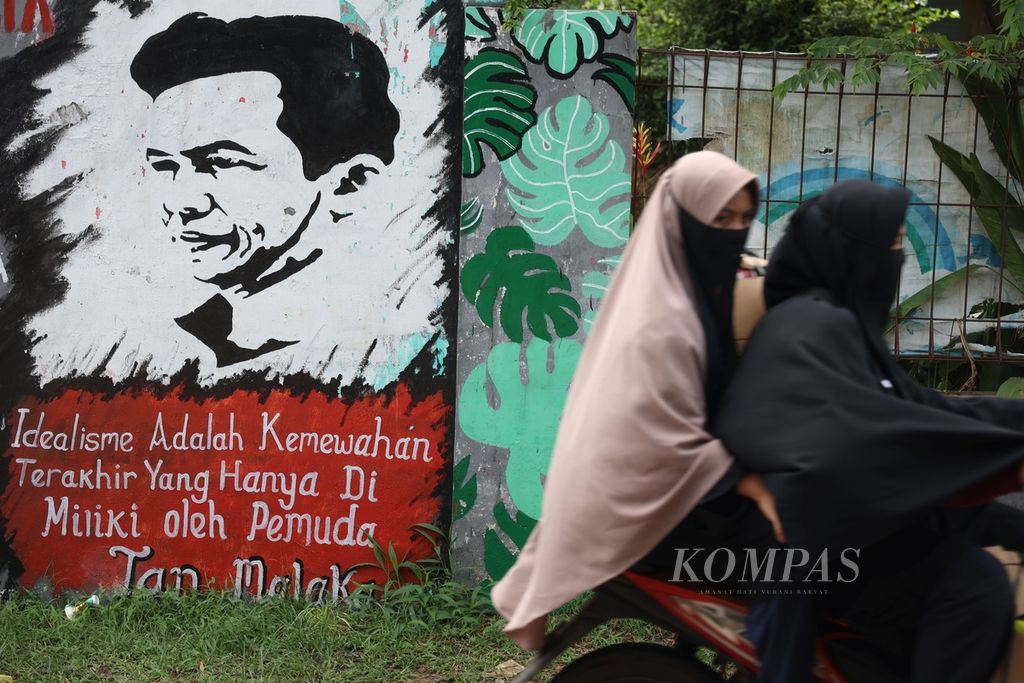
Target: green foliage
x=214, y=638
x=924, y=296
x=993, y=204
x=399, y=572
x=1011, y=388
x=620, y=73
x=499, y=107
x=564, y=40
x=999, y=107
x=465, y=489
x=1012, y=26
x=527, y=282
x=570, y=174
x=760, y=25
x=989, y=62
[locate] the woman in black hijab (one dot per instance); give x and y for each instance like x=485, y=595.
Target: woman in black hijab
x=858, y=455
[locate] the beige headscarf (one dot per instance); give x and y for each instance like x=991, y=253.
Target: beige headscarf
x=632, y=457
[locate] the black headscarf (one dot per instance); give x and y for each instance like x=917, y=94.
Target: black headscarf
x=850, y=446
x=841, y=242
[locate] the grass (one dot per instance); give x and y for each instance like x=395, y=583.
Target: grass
x=421, y=634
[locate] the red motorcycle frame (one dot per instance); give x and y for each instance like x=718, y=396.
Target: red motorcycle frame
x=703, y=616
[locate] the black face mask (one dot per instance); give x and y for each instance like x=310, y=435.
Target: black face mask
x=713, y=255
x=878, y=292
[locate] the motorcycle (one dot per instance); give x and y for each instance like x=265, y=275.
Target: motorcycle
x=699, y=618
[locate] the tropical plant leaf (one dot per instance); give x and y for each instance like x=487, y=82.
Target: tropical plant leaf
x=479, y=25
x=985, y=189
x=1011, y=388
x=529, y=282
x=563, y=40
x=620, y=73
x=941, y=285
x=498, y=107
x=525, y=419
x=568, y=174
x=993, y=204
x=471, y=216
x=465, y=489
x=999, y=106
x=924, y=295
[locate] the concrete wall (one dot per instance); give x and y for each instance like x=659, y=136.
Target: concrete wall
x=546, y=191
x=229, y=281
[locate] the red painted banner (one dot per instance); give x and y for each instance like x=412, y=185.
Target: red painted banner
x=260, y=492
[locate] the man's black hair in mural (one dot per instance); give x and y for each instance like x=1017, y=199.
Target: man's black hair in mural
x=333, y=82
x=334, y=109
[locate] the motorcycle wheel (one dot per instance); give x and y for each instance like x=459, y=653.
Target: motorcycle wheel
x=636, y=663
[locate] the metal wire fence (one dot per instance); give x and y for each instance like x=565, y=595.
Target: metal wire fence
x=965, y=270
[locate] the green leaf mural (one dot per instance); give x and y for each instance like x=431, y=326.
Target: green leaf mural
x=595, y=287
x=525, y=419
x=563, y=40
x=620, y=73
x=498, y=559
x=499, y=107
x=509, y=266
x=480, y=26
x=570, y=174
x=465, y=489
x=471, y=216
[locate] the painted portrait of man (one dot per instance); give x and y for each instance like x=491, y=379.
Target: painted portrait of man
x=243, y=195
x=227, y=233
x=246, y=192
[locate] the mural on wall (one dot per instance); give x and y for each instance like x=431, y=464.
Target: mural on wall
x=803, y=143
x=225, y=335
x=546, y=193
x=24, y=23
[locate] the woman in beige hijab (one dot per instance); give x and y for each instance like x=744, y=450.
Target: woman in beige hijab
x=635, y=453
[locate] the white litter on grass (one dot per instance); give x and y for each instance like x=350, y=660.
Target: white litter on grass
x=70, y=611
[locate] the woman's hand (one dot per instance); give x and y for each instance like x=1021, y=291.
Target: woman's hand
x=752, y=486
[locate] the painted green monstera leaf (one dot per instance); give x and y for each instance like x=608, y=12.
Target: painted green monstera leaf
x=498, y=559
x=620, y=73
x=479, y=25
x=499, y=107
x=563, y=40
x=526, y=414
x=471, y=215
x=570, y=174
x=595, y=287
x=527, y=282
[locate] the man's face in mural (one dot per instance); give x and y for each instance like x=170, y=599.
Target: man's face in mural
x=260, y=128
x=232, y=185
